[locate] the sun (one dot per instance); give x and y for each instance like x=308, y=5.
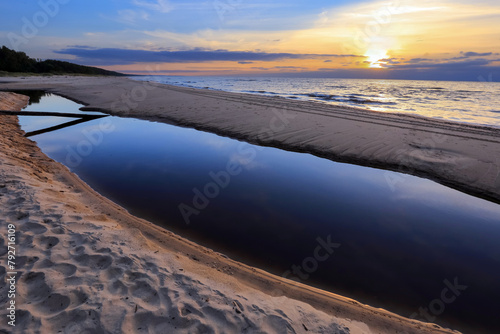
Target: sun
x=374, y=56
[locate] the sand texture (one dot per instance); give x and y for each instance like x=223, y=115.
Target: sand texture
x=464, y=157
x=84, y=265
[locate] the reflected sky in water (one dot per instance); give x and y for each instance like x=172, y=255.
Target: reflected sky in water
x=396, y=245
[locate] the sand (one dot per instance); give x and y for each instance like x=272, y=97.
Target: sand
x=85, y=265
x=461, y=156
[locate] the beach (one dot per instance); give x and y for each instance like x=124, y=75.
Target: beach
x=85, y=264
x=461, y=156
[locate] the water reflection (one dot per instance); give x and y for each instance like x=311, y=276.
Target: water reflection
x=47, y=117
x=83, y=119
x=34, y=95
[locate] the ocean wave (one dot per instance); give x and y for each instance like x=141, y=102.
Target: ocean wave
x=339, y=86
x=370, y=101
x=260, y=92
x=448, y=100
x=351, y=99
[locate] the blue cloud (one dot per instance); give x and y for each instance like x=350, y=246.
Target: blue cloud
x=418, y=60
x=290, y=68
x=445, y=65
x=475, y=54
x=110, y=56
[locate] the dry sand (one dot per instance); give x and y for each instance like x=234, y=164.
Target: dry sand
x=87, y=266
x=461, y=156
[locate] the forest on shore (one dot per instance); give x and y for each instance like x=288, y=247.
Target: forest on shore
x=19, y=62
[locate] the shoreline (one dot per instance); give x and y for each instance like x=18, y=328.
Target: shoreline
x=41, y=194
x=359, y=107
x=457, y=155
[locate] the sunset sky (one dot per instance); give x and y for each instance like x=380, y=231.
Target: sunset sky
x=438, y=39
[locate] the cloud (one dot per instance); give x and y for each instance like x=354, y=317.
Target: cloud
x=290, y=68
x=161, y=6
x=407, y=28
x=160, y=72
x=391, y=61
x=245, y=62
x=470, y=69
x=475, y=54
x=131, y=16
x=458, y=65
x=114, y=56
x=419, y=60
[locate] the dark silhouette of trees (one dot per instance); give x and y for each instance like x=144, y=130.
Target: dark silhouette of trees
x=13, y=61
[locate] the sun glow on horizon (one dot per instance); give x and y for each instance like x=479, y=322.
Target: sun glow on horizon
x=375, y=56
x=349, y=38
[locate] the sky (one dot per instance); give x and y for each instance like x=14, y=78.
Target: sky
x=394, y=39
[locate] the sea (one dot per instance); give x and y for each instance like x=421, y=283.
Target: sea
x=469, y=102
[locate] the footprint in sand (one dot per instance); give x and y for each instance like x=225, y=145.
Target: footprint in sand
x=118, y=288
x=145, y=292
x=54, y=303
x=34, y=228
x=58, y=230
x=79, y=250
x=20, y=215
x=35, y=286
x=66, y=269
x=77, y=298
x=16, y=201
x=46, y=242
x=3, y=247
x=76, y=321
x=26, y=262
x=25, y=320
x=98, y=262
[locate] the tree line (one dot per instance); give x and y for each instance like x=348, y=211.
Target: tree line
x=13, y=61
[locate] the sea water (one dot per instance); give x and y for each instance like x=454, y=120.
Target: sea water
x=468, y=102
